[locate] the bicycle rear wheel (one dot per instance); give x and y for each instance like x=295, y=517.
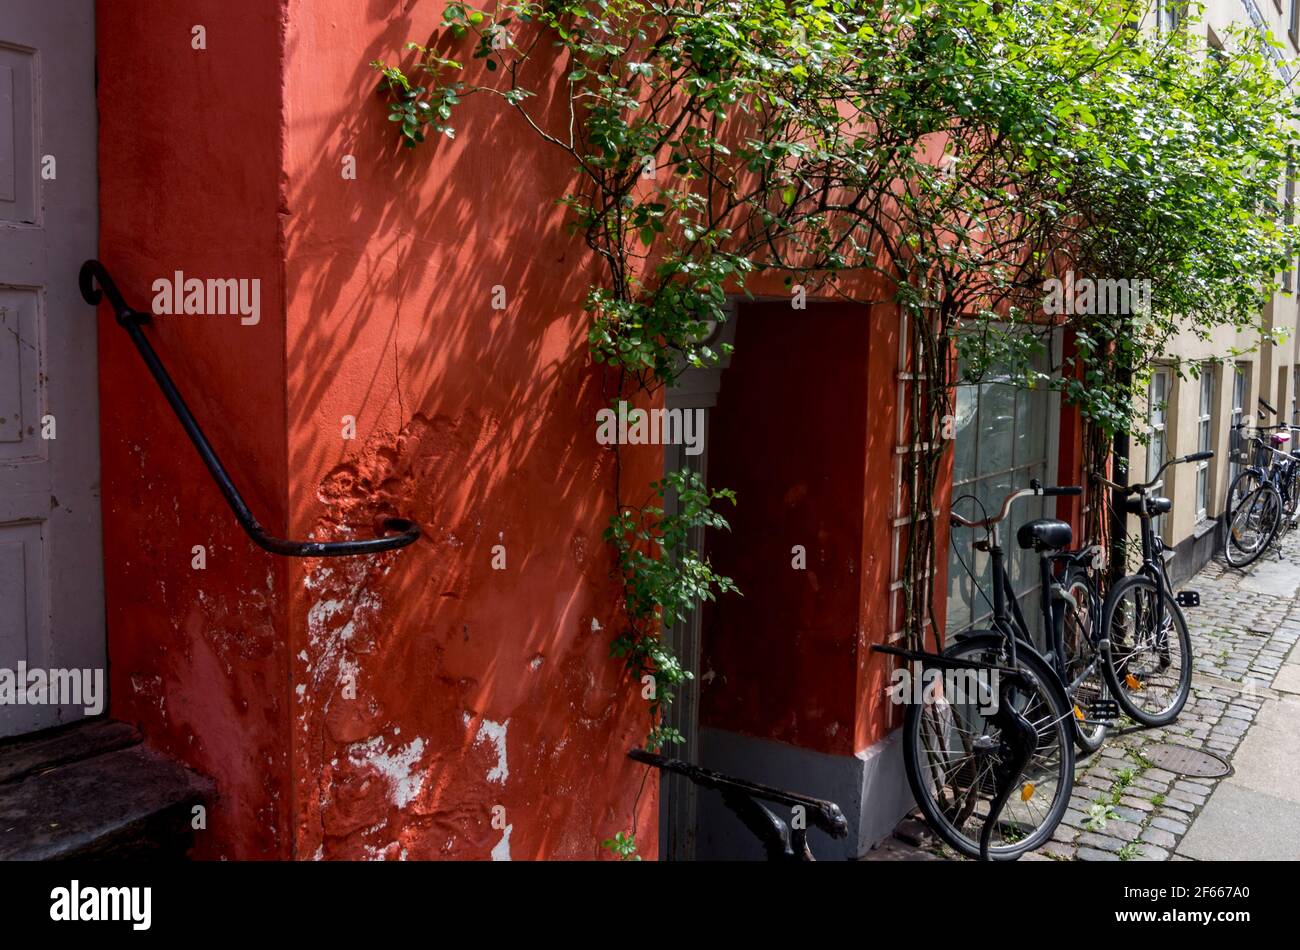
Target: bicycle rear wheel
x=1149, y=663
x=1251, y=525
x=1247, y=480
x=951, y=749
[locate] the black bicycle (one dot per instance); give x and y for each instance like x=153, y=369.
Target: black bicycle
x=1264, y=496
x=1067, y=584
x=1145, y=647
x=991, y=763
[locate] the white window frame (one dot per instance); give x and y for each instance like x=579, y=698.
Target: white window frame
x=1158, y=423
x=1169, y=15
x=1204, y=437
x=1240, y=396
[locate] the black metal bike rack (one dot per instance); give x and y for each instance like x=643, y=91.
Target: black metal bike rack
x=781, y=841
x=398, y=532
x=1020, y=735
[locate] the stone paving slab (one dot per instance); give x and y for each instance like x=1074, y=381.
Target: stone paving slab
x=1221, y=834
x=1268, y=760
x=1287, y=680
x=1244, y=706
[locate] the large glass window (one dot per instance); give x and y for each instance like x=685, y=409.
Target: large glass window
x=1204, y=418
x=1004, y=436
x=1289, y=204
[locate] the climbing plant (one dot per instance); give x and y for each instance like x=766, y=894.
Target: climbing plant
x=953, y=158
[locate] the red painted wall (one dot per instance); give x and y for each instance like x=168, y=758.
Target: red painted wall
x=385, y=707
x=373, y=707
x=188, y=157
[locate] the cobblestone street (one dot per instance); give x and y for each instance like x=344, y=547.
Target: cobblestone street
x=1245, y=706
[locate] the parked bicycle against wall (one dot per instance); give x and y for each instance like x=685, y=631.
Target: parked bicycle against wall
x=1145, y=647
x=994, y=779
x=1264, y=496
x=1066, y=585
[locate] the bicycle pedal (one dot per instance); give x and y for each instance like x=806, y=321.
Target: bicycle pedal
x=1188, y=598
x=1103, y=710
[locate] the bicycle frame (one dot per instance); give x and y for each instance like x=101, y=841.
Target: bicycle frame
x=1007, y=618
x=1010, y=620
x=1153, y=565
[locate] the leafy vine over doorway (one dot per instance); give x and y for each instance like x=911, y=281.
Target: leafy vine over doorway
x=943, y=158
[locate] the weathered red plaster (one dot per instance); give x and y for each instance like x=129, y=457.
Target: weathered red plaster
x=188, y=156
x=384, y=707
x=477, y=423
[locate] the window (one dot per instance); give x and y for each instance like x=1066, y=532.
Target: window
x=1279, y=401
x=1240, y=389
x=1289, y=204
x=1204, y=417
x=1295, y=396
x=1214, y=45
x=1005, y=435
x=1157, y=418
x=1293, y=27
x=1170, y=15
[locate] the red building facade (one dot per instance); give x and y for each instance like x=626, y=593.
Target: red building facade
x=432, y=703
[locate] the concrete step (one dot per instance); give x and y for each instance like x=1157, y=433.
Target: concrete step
x=92, y=790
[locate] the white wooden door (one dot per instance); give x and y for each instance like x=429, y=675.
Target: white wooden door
x=51, y=572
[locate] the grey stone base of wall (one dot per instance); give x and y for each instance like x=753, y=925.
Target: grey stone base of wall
x=1194, y=552
x=870, y=788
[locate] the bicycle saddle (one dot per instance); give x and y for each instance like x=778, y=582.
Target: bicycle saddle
x=1155, y=506
x=1044, y=533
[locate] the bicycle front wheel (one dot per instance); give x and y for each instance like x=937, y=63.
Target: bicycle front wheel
x=1149, y=663
x=952, y=750
x=1247, y=480
x=1251, y=525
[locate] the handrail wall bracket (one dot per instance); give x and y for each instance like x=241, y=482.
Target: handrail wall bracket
x=397, y=532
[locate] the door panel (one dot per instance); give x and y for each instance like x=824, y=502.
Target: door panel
x=51, y=575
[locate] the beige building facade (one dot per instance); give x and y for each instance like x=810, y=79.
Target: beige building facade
x=1204, y=386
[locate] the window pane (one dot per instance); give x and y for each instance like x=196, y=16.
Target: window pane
x=963, y=466
x=1031, y=425
x=997, y=414
x=1001, y=431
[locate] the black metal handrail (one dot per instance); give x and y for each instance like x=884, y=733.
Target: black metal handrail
x=781, y=841
x=399, y=532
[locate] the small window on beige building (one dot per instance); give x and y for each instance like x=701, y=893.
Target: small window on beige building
x=1240, y=389
x=1204, y=420
x=1157, y=417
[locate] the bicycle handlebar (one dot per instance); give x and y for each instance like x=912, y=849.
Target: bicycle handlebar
x=1036, y=491
x=1155, y=481
x=1243, y=424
